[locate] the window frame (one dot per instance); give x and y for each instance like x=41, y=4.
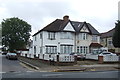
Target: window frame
x=51, y=35
x=51, y=49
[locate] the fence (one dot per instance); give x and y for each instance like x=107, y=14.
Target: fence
x=91, y=56
x=61, y=57
x=103, y=58
x=66, y=58
x=110, y=58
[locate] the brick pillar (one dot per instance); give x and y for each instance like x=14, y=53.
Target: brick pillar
x=43, y=56
x=57, y=59
x=100, y=59
x=75, y=58
x=26, y=55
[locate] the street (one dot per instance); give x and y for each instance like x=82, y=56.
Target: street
x=13, y=69
x=11, y=65
x=105, y=74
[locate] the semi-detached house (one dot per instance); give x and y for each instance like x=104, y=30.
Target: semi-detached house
x=64, y=36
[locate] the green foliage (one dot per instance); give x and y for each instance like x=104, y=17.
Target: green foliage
x=116, y=35
x=15, y=33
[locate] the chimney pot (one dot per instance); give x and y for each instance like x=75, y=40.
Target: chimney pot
x=66, y=18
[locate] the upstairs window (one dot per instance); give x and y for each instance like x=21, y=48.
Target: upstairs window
x=51, y=35
x=110, y=42
x=40, y=35
x=84, y=36
x=94, y=38
x=66, y=35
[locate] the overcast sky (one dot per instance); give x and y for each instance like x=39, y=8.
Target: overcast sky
x=101, y=14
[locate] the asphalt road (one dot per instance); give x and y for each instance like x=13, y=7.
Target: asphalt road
x=13, y=69
x=12, y=65
x=105, y=74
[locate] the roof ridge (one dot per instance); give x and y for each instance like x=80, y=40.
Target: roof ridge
x=108, y=31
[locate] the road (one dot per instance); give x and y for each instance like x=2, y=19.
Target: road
x=105, y=74
x=13, y=69
x=12, y=65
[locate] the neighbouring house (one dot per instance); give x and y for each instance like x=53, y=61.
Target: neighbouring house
x=26, y=50
x=106, y=41
x=64, y=36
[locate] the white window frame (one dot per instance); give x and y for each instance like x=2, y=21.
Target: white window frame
x=51, y=35
x=66, y=35
x=82, y=49
x=84, y=36
x=51, y=49
x=66, y=49
x=94, y=38
x=40, y=35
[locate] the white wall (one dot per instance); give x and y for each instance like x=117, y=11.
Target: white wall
x=81, y=42
x=57, y=42
x=37, y=43
x=69, y=27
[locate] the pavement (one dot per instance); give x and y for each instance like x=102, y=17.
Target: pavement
x=81, y=66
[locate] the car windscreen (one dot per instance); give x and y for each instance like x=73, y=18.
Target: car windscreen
x=12, y=53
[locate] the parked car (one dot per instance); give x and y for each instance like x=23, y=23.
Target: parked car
x=79, y=56
x=4, y=53
x=11, y=56
x=107, y=53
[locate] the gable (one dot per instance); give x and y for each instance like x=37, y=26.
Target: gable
x=69, y=27
x=84, y=29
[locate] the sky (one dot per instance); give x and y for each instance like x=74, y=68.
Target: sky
x=101, y=14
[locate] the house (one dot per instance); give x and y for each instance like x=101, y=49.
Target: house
x=106, y=41
x=64, y=36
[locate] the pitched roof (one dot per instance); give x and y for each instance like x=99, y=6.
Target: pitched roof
x=108, y=34
x=59, y=25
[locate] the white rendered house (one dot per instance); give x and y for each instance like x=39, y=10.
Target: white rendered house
x=64, y=37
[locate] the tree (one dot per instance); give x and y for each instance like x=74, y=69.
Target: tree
x=15, y=33
x=116, y=35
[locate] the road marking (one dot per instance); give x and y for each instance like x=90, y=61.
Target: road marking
x=29, y=71
x=51, y=75
x=2, y=72
x=26, y=66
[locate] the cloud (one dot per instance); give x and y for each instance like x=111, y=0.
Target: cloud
x=101, y=14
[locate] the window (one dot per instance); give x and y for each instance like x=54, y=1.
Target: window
x=94, y=38
x=51, y=35
x=86, y=49
x=78, y=50
x=110, y=42
x=82, y=49
x=35, y=49
x=51, y=49
x=66, y=35
x=66, y=49
x=84, y=36
x=40, y=35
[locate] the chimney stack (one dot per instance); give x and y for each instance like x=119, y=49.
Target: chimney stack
x=66, y=18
